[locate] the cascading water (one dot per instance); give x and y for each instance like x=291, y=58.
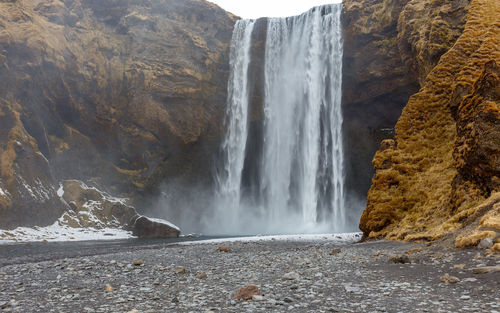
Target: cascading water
x=300, y=179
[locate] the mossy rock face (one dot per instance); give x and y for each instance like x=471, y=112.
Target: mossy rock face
x=442, y=172
x=27, y=186
x=427, y=29
x=376, y=85
x=389, y=48
x=122, y=93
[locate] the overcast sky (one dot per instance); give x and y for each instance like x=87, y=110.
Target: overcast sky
x=269, y=8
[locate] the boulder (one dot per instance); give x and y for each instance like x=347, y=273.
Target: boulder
x=144, y=227
x=91, y=207
x=246, y=293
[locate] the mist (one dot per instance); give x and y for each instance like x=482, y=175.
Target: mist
x=283, y=173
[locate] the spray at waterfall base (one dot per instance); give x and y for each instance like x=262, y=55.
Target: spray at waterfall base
x=298, y=181
x=279, y=171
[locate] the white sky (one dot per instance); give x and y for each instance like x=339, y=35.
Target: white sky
x=269, y=8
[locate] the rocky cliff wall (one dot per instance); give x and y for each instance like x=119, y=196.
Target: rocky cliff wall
x=389, y=47
x=118, y=93
x=441, y=172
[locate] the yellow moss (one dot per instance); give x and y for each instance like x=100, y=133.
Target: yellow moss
x=412, y=195
x=495, y=248
x=195, y=74
x=58, y=145
x=75, y=132
x=491, y=222
x=139, y=185
x=473, y=239
x=7, y=159
x=129, y=172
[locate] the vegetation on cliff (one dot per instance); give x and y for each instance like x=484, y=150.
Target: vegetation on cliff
x=441, y=173
x=118, y=93
x=389, y=48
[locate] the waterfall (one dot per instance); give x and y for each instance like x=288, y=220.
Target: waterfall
x=300, y=178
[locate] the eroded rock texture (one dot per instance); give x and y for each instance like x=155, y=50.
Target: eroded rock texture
x=120, y=93
x=440, y=174
x=389, y=48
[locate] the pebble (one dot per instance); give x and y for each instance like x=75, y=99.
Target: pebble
x=258, y=298
x=291, y=276
x=469, y=280
x=400, y=259
x=224, y=249
x=335, y=251
x=485, y=243
x=351, y=281
x=247, y=292
x=459, y=266
x=448, y=279
x=201, y=275
x=486, y=269
x=350, y=288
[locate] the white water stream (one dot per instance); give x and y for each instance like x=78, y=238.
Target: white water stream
x=300, y=175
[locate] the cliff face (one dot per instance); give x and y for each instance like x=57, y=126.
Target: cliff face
x=389, y=47
x=441, y=172
x=119, y=93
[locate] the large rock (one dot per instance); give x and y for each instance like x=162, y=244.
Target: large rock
x=441, y=172
x=125, y=93
x=90, y=207
x=145, y=227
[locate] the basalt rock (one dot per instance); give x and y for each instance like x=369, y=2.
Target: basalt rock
x=441, y=173
x=121, y=93
x=144, y=227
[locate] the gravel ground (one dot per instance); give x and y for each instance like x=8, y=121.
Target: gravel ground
x=291, y=277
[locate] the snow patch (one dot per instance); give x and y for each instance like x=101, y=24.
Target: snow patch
x=4, y=193
x=105, y=195
x=343, y=238
x=28, y=188
x=58, y=232
x=61, y=232
x=37, y=192
x=160, y=221
x=43, y=192
x=60, y=191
